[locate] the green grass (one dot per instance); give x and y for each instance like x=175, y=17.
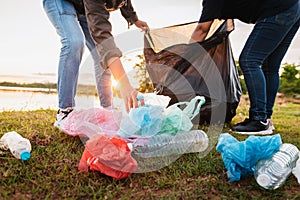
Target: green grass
x=52, y=172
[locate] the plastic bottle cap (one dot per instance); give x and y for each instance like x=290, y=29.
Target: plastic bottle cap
x=25, y=155
x=263, y=180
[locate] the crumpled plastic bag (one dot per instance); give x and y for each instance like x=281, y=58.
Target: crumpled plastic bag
x=110, y=156
x=240, y=157
x=143, y=121
x=177, y=120
x=156, y=100
x=90, y=122
x=150, y=120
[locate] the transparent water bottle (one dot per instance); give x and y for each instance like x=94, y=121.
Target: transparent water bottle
x=19, y=146
x=272, y=173
x=165, y=144
x=296, y=170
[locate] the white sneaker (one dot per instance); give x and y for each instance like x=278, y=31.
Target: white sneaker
x=271, y=125
x=61, y=116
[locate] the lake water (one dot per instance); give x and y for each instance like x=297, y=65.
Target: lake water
x=25, y=100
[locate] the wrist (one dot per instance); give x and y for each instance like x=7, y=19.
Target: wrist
x=125, y=84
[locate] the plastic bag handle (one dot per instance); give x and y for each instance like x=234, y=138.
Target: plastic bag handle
x=190, y=109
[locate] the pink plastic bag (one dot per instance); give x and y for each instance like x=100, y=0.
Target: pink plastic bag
x=90, y=122
x=110, y=156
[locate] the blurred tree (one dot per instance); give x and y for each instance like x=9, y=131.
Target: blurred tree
x=290, y=80
x=141, y=74
x=241, y=78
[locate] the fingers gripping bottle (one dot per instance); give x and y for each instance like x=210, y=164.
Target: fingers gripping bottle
x=272, y=173
x=19, y=146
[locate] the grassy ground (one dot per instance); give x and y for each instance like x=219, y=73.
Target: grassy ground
x=52, y=171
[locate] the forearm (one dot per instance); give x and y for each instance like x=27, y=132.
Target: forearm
x=127, y=92
x=100, y=29
x=128, y=13
x=118, y=72
x=201, y=31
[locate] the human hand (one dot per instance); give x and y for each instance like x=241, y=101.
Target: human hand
x=131, y=97
x=142, y=25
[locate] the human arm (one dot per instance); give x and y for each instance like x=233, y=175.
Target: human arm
x=201, y=31
x=130, y=15
x=100, y=29
x=212, y=9
x=128, y=94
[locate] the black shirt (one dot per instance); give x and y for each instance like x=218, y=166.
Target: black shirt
x=248, y=11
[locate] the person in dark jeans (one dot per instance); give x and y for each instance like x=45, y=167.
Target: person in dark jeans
x=71, y=25
x=276, y=23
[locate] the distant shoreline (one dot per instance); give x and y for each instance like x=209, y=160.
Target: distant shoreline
x=27, y=89
x=43, y=78
x=45, y=88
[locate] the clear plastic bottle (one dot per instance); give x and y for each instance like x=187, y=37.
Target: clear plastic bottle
x=19, y=146
x=165, y=144
x=272, y=173
x=296, y=170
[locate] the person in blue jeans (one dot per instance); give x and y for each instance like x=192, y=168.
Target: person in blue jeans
x=71, y=25
x=276, y=23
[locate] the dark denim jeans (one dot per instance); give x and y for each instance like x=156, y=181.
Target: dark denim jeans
x=74, y=33
x=261, y=58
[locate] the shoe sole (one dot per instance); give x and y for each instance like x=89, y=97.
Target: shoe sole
x=265, y=132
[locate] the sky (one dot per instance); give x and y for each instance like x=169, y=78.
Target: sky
x=29, y=43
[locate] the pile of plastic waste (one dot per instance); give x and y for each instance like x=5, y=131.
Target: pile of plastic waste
x=266, y=157
x=115, y=138
x=117, y=143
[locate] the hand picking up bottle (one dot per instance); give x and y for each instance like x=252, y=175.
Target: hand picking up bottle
x=19, y=146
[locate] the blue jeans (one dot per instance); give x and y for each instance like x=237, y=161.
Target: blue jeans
x=261, y=58
x=73, y=31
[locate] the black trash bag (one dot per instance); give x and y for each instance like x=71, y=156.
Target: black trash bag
x=182, y=70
